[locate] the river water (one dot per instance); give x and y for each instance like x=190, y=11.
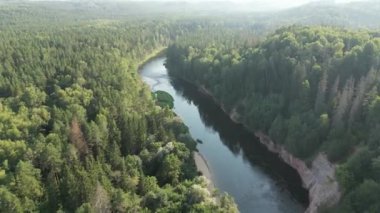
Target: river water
x=239, y=164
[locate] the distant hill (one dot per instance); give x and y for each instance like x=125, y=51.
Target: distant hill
x=355, y=14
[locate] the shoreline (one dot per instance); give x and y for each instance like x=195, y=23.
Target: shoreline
x=155, y=54
x=202, y=166
x=200, y=161
x=319, y=179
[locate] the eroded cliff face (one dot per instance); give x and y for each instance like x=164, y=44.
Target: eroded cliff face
x=319, y=179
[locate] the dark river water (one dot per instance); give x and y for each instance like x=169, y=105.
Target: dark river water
x=257, y=179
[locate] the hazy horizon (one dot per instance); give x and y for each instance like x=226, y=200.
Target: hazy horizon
x=260, y=5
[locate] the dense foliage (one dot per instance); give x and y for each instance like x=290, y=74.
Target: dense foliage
x=164, y=99
x=81, y=133
x=312, y=89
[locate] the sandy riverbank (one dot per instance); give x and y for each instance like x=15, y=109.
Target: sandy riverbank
x=203, y=167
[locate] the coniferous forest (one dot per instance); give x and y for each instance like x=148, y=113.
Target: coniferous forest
x=81, y=132
x=311, y=89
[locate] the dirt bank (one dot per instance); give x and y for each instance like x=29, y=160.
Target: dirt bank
x=202, y=167
x=319, y=179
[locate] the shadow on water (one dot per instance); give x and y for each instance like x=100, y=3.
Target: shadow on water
x=241, y=141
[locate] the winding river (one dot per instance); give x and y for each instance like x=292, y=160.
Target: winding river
x=241, y=166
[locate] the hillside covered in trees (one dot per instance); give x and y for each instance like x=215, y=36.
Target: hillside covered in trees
x=354, y=14
x=312, y=89
x=79, y=131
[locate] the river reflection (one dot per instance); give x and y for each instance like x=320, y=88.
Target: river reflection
x=257, y=179
x=240, y=141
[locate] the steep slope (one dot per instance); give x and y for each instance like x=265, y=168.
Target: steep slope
x=311, y=89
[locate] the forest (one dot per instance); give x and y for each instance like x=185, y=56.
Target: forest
x=79, y=130
x=311, y=89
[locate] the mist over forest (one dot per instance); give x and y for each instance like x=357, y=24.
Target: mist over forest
x=356, y=14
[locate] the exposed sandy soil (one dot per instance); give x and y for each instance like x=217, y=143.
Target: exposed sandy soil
x=202, y=167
